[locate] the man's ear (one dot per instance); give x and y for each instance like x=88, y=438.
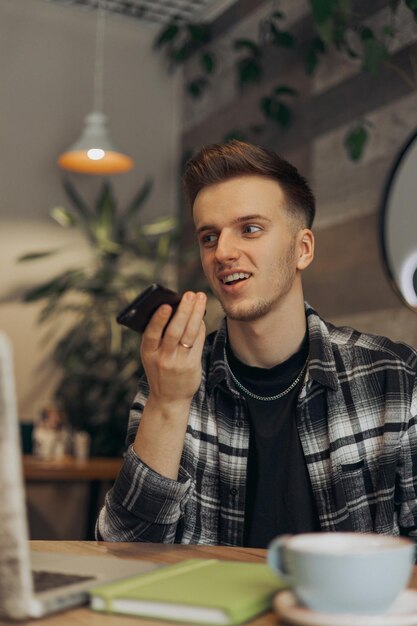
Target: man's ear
x=305, y=248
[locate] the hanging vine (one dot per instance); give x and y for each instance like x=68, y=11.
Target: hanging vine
x=335, y=26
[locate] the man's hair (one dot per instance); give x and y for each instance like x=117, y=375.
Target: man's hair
x=221, y=162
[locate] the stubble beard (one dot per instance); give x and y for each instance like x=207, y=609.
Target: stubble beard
x=255, y=311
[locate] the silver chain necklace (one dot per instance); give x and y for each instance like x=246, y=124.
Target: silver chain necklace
x=265, y=398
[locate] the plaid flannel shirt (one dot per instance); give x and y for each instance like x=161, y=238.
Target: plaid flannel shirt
x=356, y=418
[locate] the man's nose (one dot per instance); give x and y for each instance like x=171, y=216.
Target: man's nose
x=227, y=248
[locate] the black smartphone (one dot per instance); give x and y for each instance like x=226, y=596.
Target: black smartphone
x=138, y=313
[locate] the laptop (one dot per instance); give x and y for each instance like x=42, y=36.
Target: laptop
x=34, y=584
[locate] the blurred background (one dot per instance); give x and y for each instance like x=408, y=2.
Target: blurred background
x=328, y=84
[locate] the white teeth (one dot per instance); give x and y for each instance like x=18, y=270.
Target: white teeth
x=235, y=276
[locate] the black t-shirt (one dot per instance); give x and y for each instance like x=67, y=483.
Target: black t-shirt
x=279, y=497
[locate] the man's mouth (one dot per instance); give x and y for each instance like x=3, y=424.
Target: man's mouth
x=232, y=279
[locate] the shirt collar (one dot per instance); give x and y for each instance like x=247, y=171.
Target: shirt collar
x=217, y=372
x=321, y=365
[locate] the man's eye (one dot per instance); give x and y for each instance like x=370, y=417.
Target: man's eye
x=208, y=239
x=251, y=228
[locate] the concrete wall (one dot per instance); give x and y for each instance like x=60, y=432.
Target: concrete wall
x=46, y=77
x=347, y=282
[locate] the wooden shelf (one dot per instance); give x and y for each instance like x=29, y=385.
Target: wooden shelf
x=71, y=469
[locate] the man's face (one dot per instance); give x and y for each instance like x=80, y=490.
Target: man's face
x=249, y=245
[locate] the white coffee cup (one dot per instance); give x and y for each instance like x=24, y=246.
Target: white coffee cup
x=343, y=572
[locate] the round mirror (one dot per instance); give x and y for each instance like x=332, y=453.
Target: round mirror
x=399, y=224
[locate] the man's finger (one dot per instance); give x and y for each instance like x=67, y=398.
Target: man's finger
x=179, y=322
x=152, y=335
x=192, y=329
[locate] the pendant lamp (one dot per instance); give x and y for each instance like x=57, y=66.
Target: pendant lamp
x=94, y=152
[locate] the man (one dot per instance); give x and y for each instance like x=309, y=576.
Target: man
x=278, y=422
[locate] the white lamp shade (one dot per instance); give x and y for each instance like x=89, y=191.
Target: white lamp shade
x=94, y=152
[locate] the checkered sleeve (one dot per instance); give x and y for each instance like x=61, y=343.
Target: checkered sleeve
x=142, y=505
x=407, y=473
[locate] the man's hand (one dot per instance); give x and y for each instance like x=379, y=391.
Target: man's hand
x=174, y=371
x=172, y=362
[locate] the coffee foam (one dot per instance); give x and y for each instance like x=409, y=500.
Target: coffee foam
x=345, y=543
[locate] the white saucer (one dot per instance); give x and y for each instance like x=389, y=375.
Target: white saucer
x=402, y=613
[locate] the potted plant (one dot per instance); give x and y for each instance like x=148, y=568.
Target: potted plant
x=99, y=359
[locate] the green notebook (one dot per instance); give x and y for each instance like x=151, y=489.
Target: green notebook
x=200, y=591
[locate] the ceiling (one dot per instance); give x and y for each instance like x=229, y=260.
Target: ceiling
x=159, y=11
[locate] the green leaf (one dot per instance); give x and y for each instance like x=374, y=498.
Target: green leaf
x=57, y=286
x=106, y=214
x=105, y=199
x=282, y=38
x=319, y=45
x=139, y=199
x=276, y=110
x=283, y=115
x=412, y=5
x=196, y=87
x=355, y=141
x=266, y=105
x=180, y=55
x=106, y=245
x=344, y=7
x=375, y=53
x=63, y=216
x=284, y=90
x=279, y=15
x=388, y=31
x=77, y=200
x=351, y=52
x=332, y=19
x=322, y=10
x=326, y=30
x=208, y=62
x=167, y=35
x=163, y=249
x=115, y=337
x=199, y=33
x=53, y=308
x=34, y=256
x=141, y=243
x=161, y=226
x=316, y=49
x=248, y=45
x=50, y=309
x=311, y=61
x=250, y=71
x=367, y=33
x=339, y=36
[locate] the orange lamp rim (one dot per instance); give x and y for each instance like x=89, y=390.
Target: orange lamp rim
x=111, y=163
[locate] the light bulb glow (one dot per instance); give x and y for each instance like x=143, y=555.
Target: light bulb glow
x=95, y=154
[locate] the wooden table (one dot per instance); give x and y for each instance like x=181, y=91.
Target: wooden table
x=159, y=553
x=93, y=471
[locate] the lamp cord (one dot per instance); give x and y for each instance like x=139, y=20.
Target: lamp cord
x=99, y=56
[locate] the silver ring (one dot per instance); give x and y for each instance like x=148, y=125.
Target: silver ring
x=186, y=345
